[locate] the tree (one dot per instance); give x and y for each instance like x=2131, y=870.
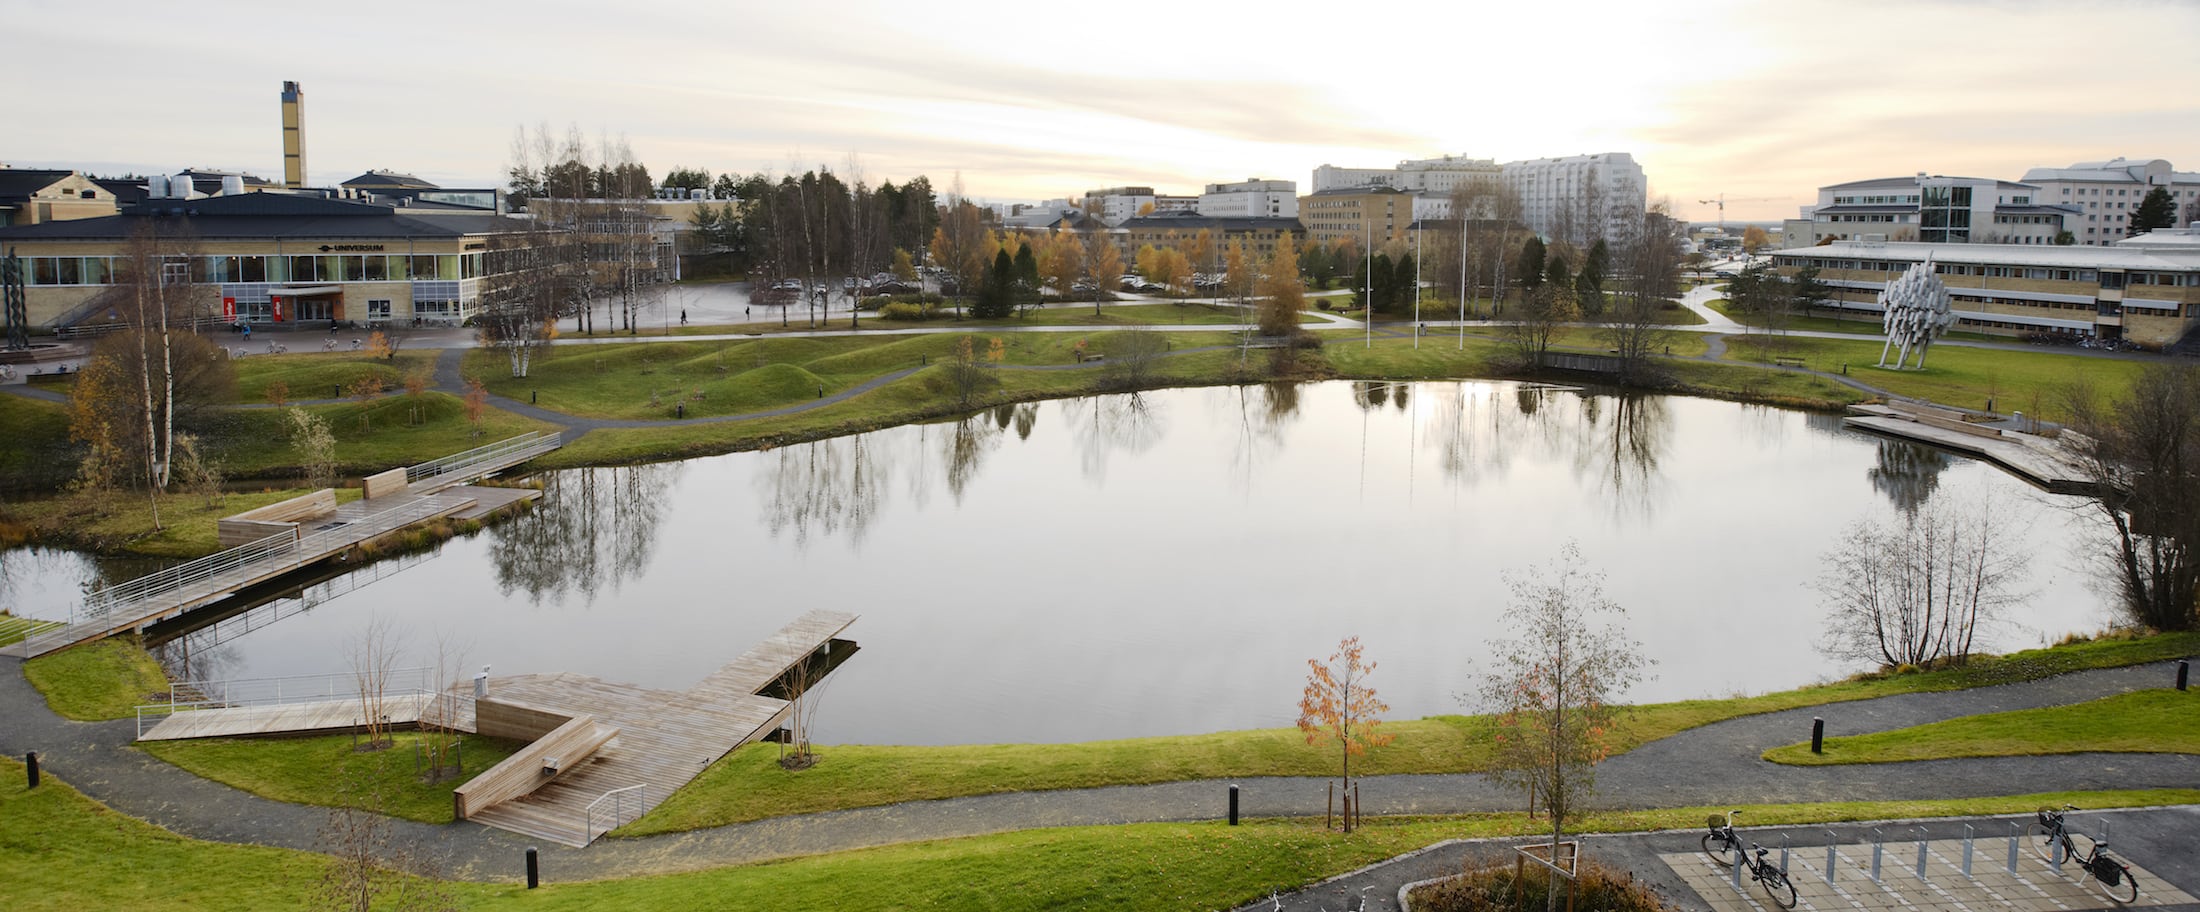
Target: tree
x=1650, y=270
x=373, y=660
x=1282, y=295
x=1552, y=688
x=997, y=290
x=1548, y=309
x=905, y=268
x=1237, y=273
x=959, y=246
x=2141, y=452
x=314, y=444
x=686, y=178
x=1027, y=282
x=1103, y=264
x=1915, y=592
x=1530, y=267
x=123, y=399
x=1131, y=358
x=476, y=402
x=1339, y=707
x=1754, y=239
x=2157, y=210
x=1589, y=282
x=1062, y=261
x=965, y=372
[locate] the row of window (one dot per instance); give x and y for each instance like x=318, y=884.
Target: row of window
x=337, y=268
x=2107, y=280
x=1909, y=199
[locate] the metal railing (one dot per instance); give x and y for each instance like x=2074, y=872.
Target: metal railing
x=461, y=465
x=308, y=598
x=426, y=702
x=627, y=804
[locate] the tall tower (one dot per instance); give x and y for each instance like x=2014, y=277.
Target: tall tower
x=294, y=136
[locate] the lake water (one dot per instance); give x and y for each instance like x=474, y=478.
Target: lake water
x=1166, y=563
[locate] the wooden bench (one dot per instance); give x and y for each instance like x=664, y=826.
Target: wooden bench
x=562, y=749
x=1085, y=356
x=256, y=524
x=1956, y=424
x=384, y=484
x=1788, y=361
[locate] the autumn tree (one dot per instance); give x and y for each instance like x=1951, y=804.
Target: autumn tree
x=965, y=372
x=1237, y=274
x=1103, y=263
x=124, y=399
x=1200, y=250
x=1551, y=688
x=1282, y=295
x=1754, y=239
x=476, y=402
x=1916, y=591
x=2141, y=451
x=1062, y=260
x=960, y=246
x=1340, y=707
x=314, y=445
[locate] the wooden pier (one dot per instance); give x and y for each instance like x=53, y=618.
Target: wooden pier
x=664, y=738
x=333, y=715
x=2044, y=461
x=277, y=539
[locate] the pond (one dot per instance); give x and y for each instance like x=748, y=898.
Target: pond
x=1165, y=563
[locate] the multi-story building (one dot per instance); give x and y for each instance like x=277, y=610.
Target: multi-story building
x=2104, y=194
x=1435, y=176
x=275, y=258
x=1115, y=205
x=1251, y=198
x=2146, y=290
x=1934, y=209
x=1258, y=233
x=1360, y=213
x=1577, y=197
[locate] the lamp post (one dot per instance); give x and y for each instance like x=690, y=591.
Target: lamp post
x=1418, y=230
x=1367, y=256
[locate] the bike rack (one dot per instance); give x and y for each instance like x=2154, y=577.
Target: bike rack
x=2016, y=834
x=1783, y=853
x=1741, y=860
x=1879, y=848
x=1832, y=854
x=1967, y=837
x=1920, y=851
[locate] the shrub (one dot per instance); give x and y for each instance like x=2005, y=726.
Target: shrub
x=1488, y=886
x=902, y=310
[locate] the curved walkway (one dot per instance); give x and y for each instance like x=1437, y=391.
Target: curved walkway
x=1713, y=764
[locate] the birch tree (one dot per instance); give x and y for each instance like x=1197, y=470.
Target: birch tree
x=1340, y=707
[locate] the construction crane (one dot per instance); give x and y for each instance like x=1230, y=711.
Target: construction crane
x=1722, y=201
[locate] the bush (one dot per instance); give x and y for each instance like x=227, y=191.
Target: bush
x=1488, y=886
x=901, y=310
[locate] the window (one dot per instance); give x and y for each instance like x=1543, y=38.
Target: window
x=378, y=309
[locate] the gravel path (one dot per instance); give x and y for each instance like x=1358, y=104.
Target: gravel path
x=1713, y=764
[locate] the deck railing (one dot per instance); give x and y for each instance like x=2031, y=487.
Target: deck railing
x=428, y=701
x=613, y=809
x=500, y=454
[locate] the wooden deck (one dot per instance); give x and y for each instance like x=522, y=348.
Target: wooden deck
x=2043, y=461
x=666, y=738
x=283, y=718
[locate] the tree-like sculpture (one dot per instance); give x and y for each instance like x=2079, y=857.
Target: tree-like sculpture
x=1916, y=312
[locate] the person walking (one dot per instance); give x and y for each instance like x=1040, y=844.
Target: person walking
x=683, y=316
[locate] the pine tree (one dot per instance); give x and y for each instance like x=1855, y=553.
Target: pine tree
x=2157, y=210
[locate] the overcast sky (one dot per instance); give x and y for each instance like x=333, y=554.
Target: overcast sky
x=1761, y=102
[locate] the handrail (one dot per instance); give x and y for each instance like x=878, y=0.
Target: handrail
x=153, y=714
x=617, y=816
x=457, y=463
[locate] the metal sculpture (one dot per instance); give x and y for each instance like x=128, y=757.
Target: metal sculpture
x=11, y=289
x=1915, y=312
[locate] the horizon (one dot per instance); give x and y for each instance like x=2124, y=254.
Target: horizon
x=1772, y=109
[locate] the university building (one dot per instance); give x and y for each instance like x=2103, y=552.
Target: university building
x=2103, y=195
x=2145, y=289
x=1935, y=209
x=277, y=258
x=1358, y=213
x=1258, y=233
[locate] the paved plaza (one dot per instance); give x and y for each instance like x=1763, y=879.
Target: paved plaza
x=1991, y=885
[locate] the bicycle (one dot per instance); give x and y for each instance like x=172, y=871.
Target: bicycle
x=2052, y=840
x=1724, y=845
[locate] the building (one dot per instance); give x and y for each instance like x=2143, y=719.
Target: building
x=277, y=258
x=1116, y=205
x=1361, y=213
x=1258, y=233
x=1932, y=208
x=31, y=196
x=1576, y=198
x=1251, y=198
x=1436, y=176
x=2103, y=194
x=294, y=136
x=2146, y=290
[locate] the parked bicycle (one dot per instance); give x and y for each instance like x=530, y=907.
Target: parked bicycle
x=2051, y=837
x=1725, y=847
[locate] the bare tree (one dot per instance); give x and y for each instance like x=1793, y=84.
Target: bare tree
x=367, y=869
x=1132, y=357
x=1916, y=592
x=2141, y=452
x=1649, y=260
x=314, y=444
x=1546, y=310
x=1553, y=688
x=373, y=660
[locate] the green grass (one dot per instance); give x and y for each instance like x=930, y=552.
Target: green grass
x=108, y=679
x=65, y=852
x=13, y=629
x=1960, y=377
x=304, y=770
x=748, y=784
x=1852, y=323
x=2146, y=721
x=323, y=375
x=122, y=522
x=1119, y=316
x=370, y=436
x=34, y=451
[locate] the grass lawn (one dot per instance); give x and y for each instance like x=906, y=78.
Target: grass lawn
x=748, y=785
x=370, y=436
x=108, y=679
x=13, y=629
x=323, y=375
x=1961, y=377
x=65, y=852
x=35, y=453
x=1850, y=323
x=2146, y=721
x=303, y=770
x=1120, y=316
x=122, y=522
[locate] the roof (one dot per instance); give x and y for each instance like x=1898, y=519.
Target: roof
x=21, y=183
x=2070, y=257
x=389, y=180
x=1225, y=223
x=272, y=215
x=1358, y=191
x=1917, y=180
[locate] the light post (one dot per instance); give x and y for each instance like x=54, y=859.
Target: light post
x=1367, y=256
x=1418, y=230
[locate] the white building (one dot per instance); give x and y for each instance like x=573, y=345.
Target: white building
x=1251, y=198
x=2104, y=193
x=1932, y=208
x=1115, y=205
x=1558, y=196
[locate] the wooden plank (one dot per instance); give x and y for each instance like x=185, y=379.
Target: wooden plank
x=570, y=745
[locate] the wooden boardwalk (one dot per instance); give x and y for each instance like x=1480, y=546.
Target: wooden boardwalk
x=284, y=718
x=2043, y=461
x=666, y=738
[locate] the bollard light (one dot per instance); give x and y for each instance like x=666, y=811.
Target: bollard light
x=1233, y=805
x=30, y=763
x=534, y=873
x=1817, y=736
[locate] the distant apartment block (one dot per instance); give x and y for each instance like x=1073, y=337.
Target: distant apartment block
x=1576, y=196
x=1933, y=209
x=2104, y=193
x=1251, y=198
x=1363, y=214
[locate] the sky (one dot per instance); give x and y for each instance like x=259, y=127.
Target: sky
x=1758, y=102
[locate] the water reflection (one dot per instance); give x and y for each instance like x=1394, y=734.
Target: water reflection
x=1626, y=438
x=1103, y=426
x=822, y=488
x=1908, y=473
x=591, y=531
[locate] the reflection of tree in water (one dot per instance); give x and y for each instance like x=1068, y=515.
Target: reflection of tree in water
x=185, y=658
x=822, y=488
x=967, y=445
x=592, y=528
x=1624, y=439
x=1104, y=425
x=1370, y=394
x=1908, y=473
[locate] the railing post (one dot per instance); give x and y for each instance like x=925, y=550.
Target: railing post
x=1879, y=845
x=1920, y=852
x=1967, y=837
x=1832, y=854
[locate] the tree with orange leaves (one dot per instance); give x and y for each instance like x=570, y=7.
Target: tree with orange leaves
x=1552, y=688
x=1339, y=706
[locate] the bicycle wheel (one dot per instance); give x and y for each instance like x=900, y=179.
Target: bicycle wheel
x=1779, y=887
x=2124, y=890
x=1719, y=849
x=2045, y=843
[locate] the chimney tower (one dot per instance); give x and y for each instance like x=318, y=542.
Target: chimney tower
x=294, y=136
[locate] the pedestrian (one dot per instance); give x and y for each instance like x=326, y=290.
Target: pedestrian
x=683, y=316
x=744, y=310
